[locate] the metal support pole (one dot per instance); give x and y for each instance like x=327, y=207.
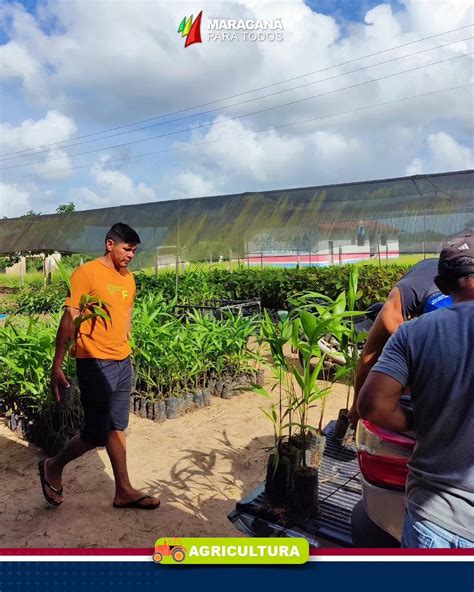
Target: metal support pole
x=155, y=249
x=177, y=275
x=424, y=235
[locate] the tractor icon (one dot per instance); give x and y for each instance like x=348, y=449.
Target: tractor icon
x=170, y=547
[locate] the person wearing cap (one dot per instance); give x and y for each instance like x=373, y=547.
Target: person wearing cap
x=433, y=356
x=415, y=294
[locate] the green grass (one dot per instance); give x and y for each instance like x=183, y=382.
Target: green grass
x=402, y=260
x=14, y=281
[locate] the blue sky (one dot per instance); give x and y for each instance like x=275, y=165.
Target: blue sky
x=72, y=68
x=348, y=10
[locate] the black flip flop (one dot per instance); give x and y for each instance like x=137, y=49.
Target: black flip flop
x=45, y=484
x=137, y=504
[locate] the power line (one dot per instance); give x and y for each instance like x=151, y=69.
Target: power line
x=271, y=128
x=208, y=111
x=209, y=124
x=58, y=144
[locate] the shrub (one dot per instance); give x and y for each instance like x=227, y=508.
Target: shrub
x=272, y=286
x=38, y=298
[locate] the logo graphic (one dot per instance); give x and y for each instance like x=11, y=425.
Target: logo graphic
x=169, y=548
x=114, y=289
x=231, y=551
x=191, y=30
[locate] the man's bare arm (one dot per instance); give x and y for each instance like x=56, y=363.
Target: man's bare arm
x=379, y=402
x=386, y=323
x=63, y=340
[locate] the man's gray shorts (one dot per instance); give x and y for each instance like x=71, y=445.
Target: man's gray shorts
x=105, y=387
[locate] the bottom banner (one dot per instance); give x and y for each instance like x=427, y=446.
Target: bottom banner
x=334, y=577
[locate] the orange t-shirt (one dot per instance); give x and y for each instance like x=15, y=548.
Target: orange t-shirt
x=100, y=338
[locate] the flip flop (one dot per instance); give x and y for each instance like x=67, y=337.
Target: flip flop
x=138, y=504
x=45, y=484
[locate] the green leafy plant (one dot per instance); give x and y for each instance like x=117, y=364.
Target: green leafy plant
x=276, y=336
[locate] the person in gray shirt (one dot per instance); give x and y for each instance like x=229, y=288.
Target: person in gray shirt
x=434, y=357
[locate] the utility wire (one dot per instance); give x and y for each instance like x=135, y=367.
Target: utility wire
x=58, y=144
x=235, y=117
x=251, y=132
x=205, y=113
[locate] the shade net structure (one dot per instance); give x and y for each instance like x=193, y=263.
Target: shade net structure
x=309, y=226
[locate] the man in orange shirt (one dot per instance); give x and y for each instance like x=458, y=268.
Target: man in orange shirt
x=104, y=369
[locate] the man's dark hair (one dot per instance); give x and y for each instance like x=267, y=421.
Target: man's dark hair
x=123, y=233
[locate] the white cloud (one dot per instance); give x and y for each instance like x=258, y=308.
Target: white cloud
x=103, y=64
x=444, y=153
x=53, y=128
x=192, y=184
x=112, y=188
x=262, y=161
x=13, y=201
x=382, y=23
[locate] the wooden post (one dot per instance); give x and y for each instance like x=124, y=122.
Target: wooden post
x=22, y=271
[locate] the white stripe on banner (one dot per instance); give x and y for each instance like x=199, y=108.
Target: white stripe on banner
x=318, y=559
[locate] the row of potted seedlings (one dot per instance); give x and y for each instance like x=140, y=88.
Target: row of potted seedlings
x=182, y=360
x=167, y=350
x=225, y=387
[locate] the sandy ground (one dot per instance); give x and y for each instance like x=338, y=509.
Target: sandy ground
x=199, y=465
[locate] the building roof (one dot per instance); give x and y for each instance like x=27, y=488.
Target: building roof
x=442, y=200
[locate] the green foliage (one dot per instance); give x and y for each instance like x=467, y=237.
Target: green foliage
x=34, y=264
x=38, y=298
x=194, y=287
x=66, y=208
x=275, y=286
x=312, y=319
x=205, y=250
x=30, y=213
x=26, y=353
x=73, y=261
x=172, y=355
x=4, y=263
